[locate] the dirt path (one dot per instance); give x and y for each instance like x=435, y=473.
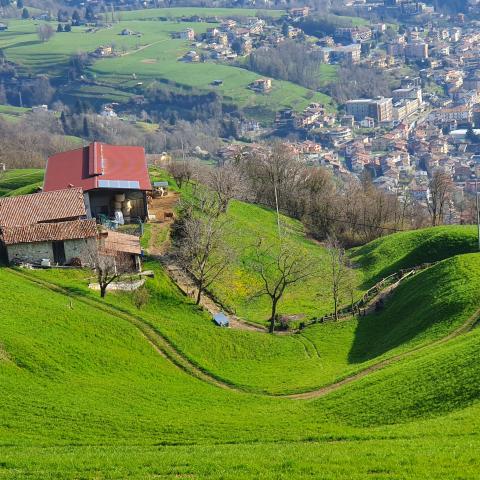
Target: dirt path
x=464, y=328
x=164, y=347
x=186, y=284
x=160, y=226
x=159, y=250
x=139, y=49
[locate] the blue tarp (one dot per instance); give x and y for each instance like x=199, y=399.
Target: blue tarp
x=221, y=319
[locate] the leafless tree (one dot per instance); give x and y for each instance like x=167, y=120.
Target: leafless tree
x=203, y=250
x=181, y=171
x=279, y=266
x=226, y=183
x=440, y=187
x=108, y=266
x=45, y=32
x=339, y=271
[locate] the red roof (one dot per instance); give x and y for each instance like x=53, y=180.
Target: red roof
x=98, y=166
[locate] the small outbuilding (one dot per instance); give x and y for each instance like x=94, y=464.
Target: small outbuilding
x=221, y=320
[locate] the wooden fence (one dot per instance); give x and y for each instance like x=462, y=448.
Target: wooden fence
x=358, y=308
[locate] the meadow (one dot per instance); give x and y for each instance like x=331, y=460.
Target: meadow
x=89, y=397
x=20, y=181
x=147, y=56
x=91, y=388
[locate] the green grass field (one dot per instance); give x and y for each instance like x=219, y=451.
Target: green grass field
x=88, y=397
x=151, y=56
x=20, y=181
x=87, y=392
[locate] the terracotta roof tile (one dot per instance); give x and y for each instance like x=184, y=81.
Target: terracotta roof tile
x=42, y=207
x=47, y=232
x=114, y=242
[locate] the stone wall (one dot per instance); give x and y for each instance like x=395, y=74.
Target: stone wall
x=35, y=252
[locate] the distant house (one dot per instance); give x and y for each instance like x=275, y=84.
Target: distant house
x=191, y=56
x=299, y=12
x=262, y=85
x=126, y=32
x=49, y=226
x=3, y=27
x=188, y=34
x=103, y=51
x=114, y=179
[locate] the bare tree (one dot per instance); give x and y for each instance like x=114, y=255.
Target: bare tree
x=440, y=187
x=203, y=250
x=45, y=32
x=279, y=266
x=181, y=171
x=339, y=271
x=226, y=183
x=108, y=266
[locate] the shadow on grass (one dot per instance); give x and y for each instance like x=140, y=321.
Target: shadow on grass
x=424, y=302
x=438, y=247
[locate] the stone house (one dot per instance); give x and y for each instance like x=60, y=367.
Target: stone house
x=46, y=226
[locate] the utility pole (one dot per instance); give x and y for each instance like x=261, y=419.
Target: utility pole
x=477, y=202
x=477, y=205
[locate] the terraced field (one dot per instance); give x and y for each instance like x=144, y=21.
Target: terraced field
x=20, y=182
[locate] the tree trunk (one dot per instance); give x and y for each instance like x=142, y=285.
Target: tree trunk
x=273, y=315
x=199, y=293
x=103, y=291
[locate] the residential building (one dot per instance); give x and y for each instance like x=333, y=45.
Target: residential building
x=50, y=226
x=380, y=109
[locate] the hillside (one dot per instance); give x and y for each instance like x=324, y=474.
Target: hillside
x=149, y=55
x=79, y=375
x=20, y=181
x=389, y=254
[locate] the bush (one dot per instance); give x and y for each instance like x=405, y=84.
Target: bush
x=141, y=297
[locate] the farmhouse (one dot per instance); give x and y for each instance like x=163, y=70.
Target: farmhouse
x=261, y=85
x=51, y=226
x=114, y=180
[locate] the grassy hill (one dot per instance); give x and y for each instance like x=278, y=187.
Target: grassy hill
x=152, y=55
x=20, y=181
x=392, y=253
x=88, y=397
x=91, y=392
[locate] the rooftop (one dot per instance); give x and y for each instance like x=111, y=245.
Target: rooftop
x=42, y=207
x=97, y=166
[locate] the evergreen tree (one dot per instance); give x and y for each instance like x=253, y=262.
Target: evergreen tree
x=67, y=28
x=63, y=120
x=25, y=13
x=20, y=4
x=60, y=28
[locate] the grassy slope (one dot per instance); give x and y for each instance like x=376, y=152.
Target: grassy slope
x=159, y=60
x=177, y=12
x=248, y=222
x=390, y=254
x=20, y=181
x=425, y=308
x=87, y=396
